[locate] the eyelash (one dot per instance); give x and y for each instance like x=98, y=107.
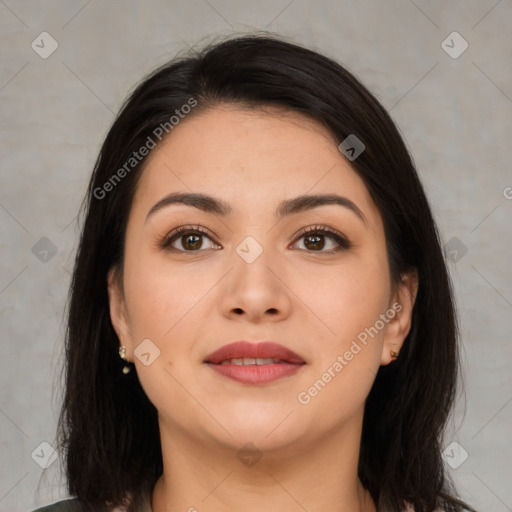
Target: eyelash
x=343, y=242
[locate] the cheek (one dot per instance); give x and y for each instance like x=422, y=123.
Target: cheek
x=162, y=305
x=351, y=303
x=348, y=298
x=160, y=297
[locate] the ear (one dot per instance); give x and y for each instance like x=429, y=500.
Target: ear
x=118, y=311
x=402, y=303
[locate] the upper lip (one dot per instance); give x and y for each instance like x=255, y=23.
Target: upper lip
x=264, y=349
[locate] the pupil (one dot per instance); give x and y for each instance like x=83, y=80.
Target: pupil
x=316, y=244
x=193, y=244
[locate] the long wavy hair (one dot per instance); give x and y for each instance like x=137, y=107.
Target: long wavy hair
x=108, y=429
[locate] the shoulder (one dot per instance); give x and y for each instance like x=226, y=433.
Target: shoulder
x=67, y=505
x=72, y=505
x=77, y=505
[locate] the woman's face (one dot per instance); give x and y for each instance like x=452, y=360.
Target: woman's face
x=252, y=274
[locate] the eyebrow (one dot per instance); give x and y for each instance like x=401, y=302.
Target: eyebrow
x=287, y=207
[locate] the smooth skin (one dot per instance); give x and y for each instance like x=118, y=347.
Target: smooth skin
x=199, y=294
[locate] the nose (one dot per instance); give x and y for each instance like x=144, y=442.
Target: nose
x=257, y=291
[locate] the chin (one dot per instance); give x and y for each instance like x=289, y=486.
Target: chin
x=267, y=432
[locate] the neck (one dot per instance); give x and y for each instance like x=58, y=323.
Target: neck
x=315, y=476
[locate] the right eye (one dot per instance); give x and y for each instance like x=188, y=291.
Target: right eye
x=190, y=239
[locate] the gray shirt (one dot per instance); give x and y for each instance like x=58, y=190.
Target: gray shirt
x=76, y=505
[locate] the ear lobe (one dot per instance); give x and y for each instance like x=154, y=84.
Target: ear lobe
x=399, y=327
x=117, y=309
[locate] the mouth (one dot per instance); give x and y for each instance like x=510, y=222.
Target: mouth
x=254, y=363
x=248, y=361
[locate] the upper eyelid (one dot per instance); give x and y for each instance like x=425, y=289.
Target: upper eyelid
x=192, y=227
x=205, y=231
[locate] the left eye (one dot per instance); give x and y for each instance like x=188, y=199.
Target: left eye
x=314, y=238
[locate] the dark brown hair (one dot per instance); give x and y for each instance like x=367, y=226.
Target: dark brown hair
x=108, y=428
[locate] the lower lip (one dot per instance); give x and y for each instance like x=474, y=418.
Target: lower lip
x=254, y=373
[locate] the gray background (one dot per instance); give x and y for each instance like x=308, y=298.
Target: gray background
x=454, y=114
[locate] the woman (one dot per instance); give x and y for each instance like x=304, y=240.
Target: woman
x=260, y=314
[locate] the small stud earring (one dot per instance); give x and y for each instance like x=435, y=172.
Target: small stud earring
x=122, y=355
x=394, y=354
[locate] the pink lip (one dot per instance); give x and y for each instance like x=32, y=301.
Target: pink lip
x=246, y=349
x=289, y=362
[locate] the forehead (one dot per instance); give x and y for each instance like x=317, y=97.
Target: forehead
x=250, y=157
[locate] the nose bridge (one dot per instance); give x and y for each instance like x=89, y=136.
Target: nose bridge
x=253, y=285
x=253, y=261
x=250, y=250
